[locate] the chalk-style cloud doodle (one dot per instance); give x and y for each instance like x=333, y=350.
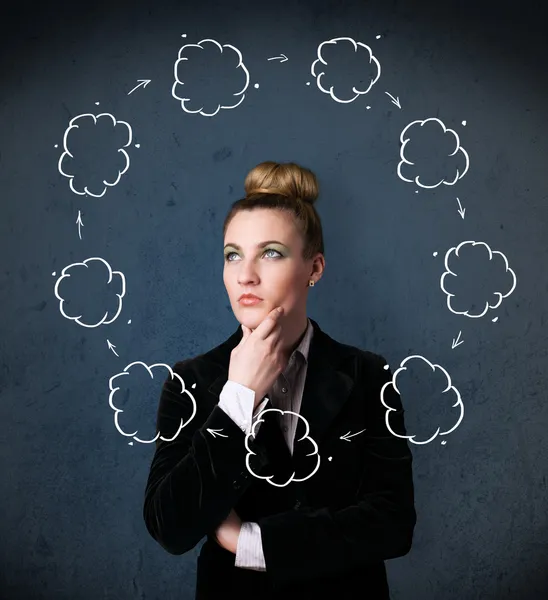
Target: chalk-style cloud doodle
x=304, y=439
x=67, y=161
x=320, y=66
x=225, y=57
x=118, y=412
x=75, y=270
x=449, y=395
x=493, y=264
x=432, y=155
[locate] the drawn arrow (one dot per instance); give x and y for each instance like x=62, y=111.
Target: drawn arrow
x=347, y=435
x=283, y=57
x=111, y=347
x=216, y=431
x=395, y=101
x=461, y=210
x=455, y=344
x=79, y=223
x=143, y=82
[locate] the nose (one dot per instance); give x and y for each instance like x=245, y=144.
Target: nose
x=247, y=273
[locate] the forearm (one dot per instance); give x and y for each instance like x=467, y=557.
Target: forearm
x=195, y=479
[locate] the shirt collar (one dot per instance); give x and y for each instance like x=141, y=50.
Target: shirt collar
x=304, y=345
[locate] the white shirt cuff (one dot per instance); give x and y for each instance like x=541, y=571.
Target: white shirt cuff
x=237, y=401
x=249, y=551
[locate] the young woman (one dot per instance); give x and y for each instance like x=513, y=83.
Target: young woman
x=284, y=461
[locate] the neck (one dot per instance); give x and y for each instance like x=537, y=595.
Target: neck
x=293, y=331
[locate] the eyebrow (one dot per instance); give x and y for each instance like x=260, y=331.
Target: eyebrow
x=261, y=245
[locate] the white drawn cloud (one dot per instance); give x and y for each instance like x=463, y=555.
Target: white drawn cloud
x=119, y=155
x=432, y=156
x=320, y=68
x=118, y=412
x=231, y=59
x=449, y=395
x=492, y=261
x=305, y=439
x=75, y=270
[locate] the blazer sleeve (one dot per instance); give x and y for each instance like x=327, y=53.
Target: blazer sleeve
x=195, y=477
x=300, y=544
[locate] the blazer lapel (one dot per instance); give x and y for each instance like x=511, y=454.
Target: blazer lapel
x=330, y=378
x=329, y=381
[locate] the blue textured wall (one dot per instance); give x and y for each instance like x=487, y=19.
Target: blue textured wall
x=72, y=481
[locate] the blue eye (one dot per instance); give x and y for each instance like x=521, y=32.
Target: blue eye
x=268, y=250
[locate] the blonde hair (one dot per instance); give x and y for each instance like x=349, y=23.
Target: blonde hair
x=289, y=188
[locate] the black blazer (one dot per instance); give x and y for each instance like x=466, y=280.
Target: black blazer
x=323, y=536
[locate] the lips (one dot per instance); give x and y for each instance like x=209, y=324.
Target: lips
x=249, y=300
x=249, y=297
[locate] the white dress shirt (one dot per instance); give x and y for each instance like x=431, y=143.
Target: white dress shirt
x=286, y=394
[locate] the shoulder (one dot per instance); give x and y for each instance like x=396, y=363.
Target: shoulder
x=219, y=355
x=197, y=366
x=372, y=359
x=205, y=366
x=359, y=363
x=366, y=358
x=371, y=363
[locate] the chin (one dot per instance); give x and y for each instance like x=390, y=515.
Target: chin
x=257, y=317
x=252, y=317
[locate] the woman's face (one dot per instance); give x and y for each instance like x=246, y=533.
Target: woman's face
x=275, y=272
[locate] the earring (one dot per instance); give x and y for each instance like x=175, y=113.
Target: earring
x=311, y=283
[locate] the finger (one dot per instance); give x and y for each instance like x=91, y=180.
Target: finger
x=266, y=327
x=275, y=331
x=245, y=334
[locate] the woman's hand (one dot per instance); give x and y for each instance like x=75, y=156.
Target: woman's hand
x=228, y=532
x=259, y=358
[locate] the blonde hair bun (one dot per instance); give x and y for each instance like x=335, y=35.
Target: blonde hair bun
x=285, y=179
